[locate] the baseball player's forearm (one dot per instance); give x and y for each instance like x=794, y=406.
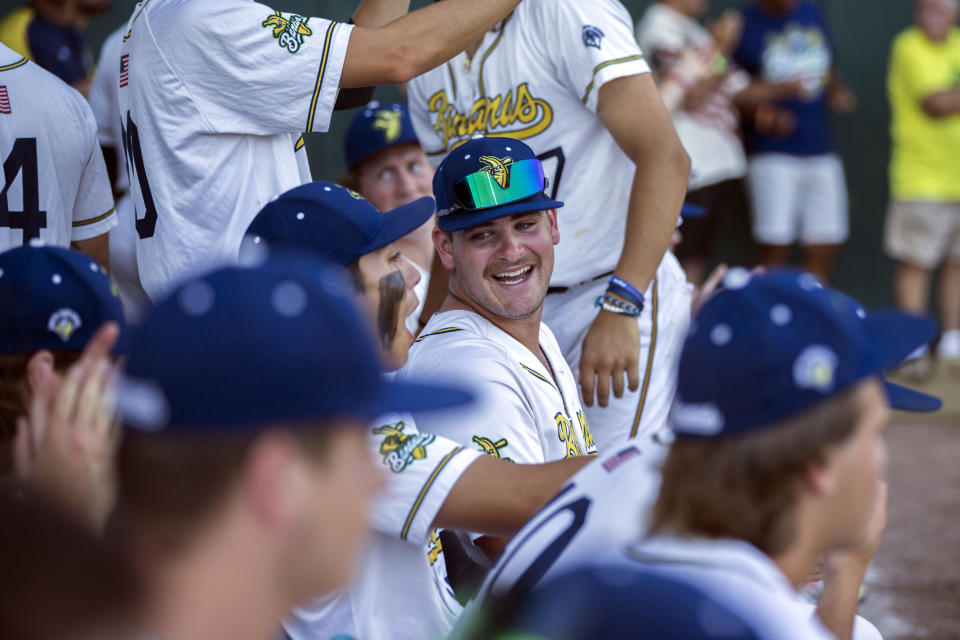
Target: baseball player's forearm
x=376, y=13
x=496, y=498
x=633, y=113
x=97, y=248
x=840, y=599
x=419, y=41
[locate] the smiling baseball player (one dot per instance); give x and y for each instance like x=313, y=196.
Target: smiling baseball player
x=568, y=78
x=55, y=186
x=496, y=233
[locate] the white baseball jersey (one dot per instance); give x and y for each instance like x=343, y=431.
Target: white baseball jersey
x=123, y=237
x=536, y=78
x=213, y=97
x=603, y=505
x=400, y=590
x=55, y=186
x=523, y=413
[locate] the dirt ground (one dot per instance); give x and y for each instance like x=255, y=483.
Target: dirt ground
x=914, y=580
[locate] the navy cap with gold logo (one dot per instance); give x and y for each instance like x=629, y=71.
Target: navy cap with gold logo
x=377, y=128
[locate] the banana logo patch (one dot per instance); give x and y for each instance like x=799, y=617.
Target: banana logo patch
x=64, y=323
x=389, y=122
x=498, y=168
x=491, y=448
x=399, y=449
x=289, y=32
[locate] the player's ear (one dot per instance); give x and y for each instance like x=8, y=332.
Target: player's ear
x=443, y=242
x=820, y=477
x=273, y=479
x=554, y=228
x=40, y=370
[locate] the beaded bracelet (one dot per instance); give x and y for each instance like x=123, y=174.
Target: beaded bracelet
x=626, y=291
x=611, y=304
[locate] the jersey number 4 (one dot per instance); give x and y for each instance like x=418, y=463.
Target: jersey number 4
x=22, y=162
x=131, y=149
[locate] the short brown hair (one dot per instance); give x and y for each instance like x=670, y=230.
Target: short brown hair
x=746, y=486
x=15, y=394
x=171, y=485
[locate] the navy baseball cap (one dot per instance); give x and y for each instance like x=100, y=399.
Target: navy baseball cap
x=488, y=178
x=53, y=298
x=337, y=222
x=770, y=346
x=596, y=603
x=377, y=128
x=249, y=347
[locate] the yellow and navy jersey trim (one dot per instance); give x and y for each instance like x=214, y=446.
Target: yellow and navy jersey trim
x=603, y=65
x=486, y=54
x=299, y=144
x=654, y=303
x=536, y=374
x=327, y=44
x=104, y=216
x=14, y=65
x=426, y=489
x=438, y=332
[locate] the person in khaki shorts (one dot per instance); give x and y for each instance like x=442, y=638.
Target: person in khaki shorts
x=923, y=221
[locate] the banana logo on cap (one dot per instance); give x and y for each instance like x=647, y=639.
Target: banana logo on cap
x=498, y=168
x=390, y=122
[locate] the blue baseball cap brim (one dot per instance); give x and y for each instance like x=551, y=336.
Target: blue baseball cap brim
x=401, y=221
x=464, y=219
x=906, y=399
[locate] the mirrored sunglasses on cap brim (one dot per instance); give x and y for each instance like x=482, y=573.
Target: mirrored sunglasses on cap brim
x=482, y=190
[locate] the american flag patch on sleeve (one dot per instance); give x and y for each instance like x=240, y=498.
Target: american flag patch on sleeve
x=4, y=99
x=124, y=69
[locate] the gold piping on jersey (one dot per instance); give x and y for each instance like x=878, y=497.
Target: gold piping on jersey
x=299, y=144
x=438, y=332
x=14, y=65
x=486, y=54
x=130, y=30
x=453, y=80
x=538, y=376
x=602, y=65
x=104, y=216
x=646, y=375
x=328, y=39
x=424, y=490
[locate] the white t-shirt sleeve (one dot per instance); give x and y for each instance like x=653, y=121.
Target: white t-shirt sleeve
x=255, y=71
x=591, y=43
x=93, y=211
x=421, y=471
x=103, y=94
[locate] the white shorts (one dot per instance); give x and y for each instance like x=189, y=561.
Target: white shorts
x=798, y=197
x=663, y=326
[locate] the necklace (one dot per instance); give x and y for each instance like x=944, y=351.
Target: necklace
x=463, y=302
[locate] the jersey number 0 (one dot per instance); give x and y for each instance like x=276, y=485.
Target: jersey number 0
x=131, y=150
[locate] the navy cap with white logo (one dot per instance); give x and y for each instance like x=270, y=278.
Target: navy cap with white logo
x=770, y=346
x=377, y=128
x=245, y=348
x=331, y=219
x=53, y=298
x=488, y=178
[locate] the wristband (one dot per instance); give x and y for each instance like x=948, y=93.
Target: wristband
x=633, y=294
x=611, y=304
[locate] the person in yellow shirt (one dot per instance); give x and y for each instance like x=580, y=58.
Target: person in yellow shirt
x=923, y=221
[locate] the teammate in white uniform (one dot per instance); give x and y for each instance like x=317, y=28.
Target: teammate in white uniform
x=759, y=487
x=401, y=590
x=123, y=237
x=567, y=78
x=495, y=234
x=55, y=186
x=214, y=97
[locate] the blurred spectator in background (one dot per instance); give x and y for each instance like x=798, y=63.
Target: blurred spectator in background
x=697, y=84
x=388, y=167
x=923, y=221
x=50, y=32
x=795, y=178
